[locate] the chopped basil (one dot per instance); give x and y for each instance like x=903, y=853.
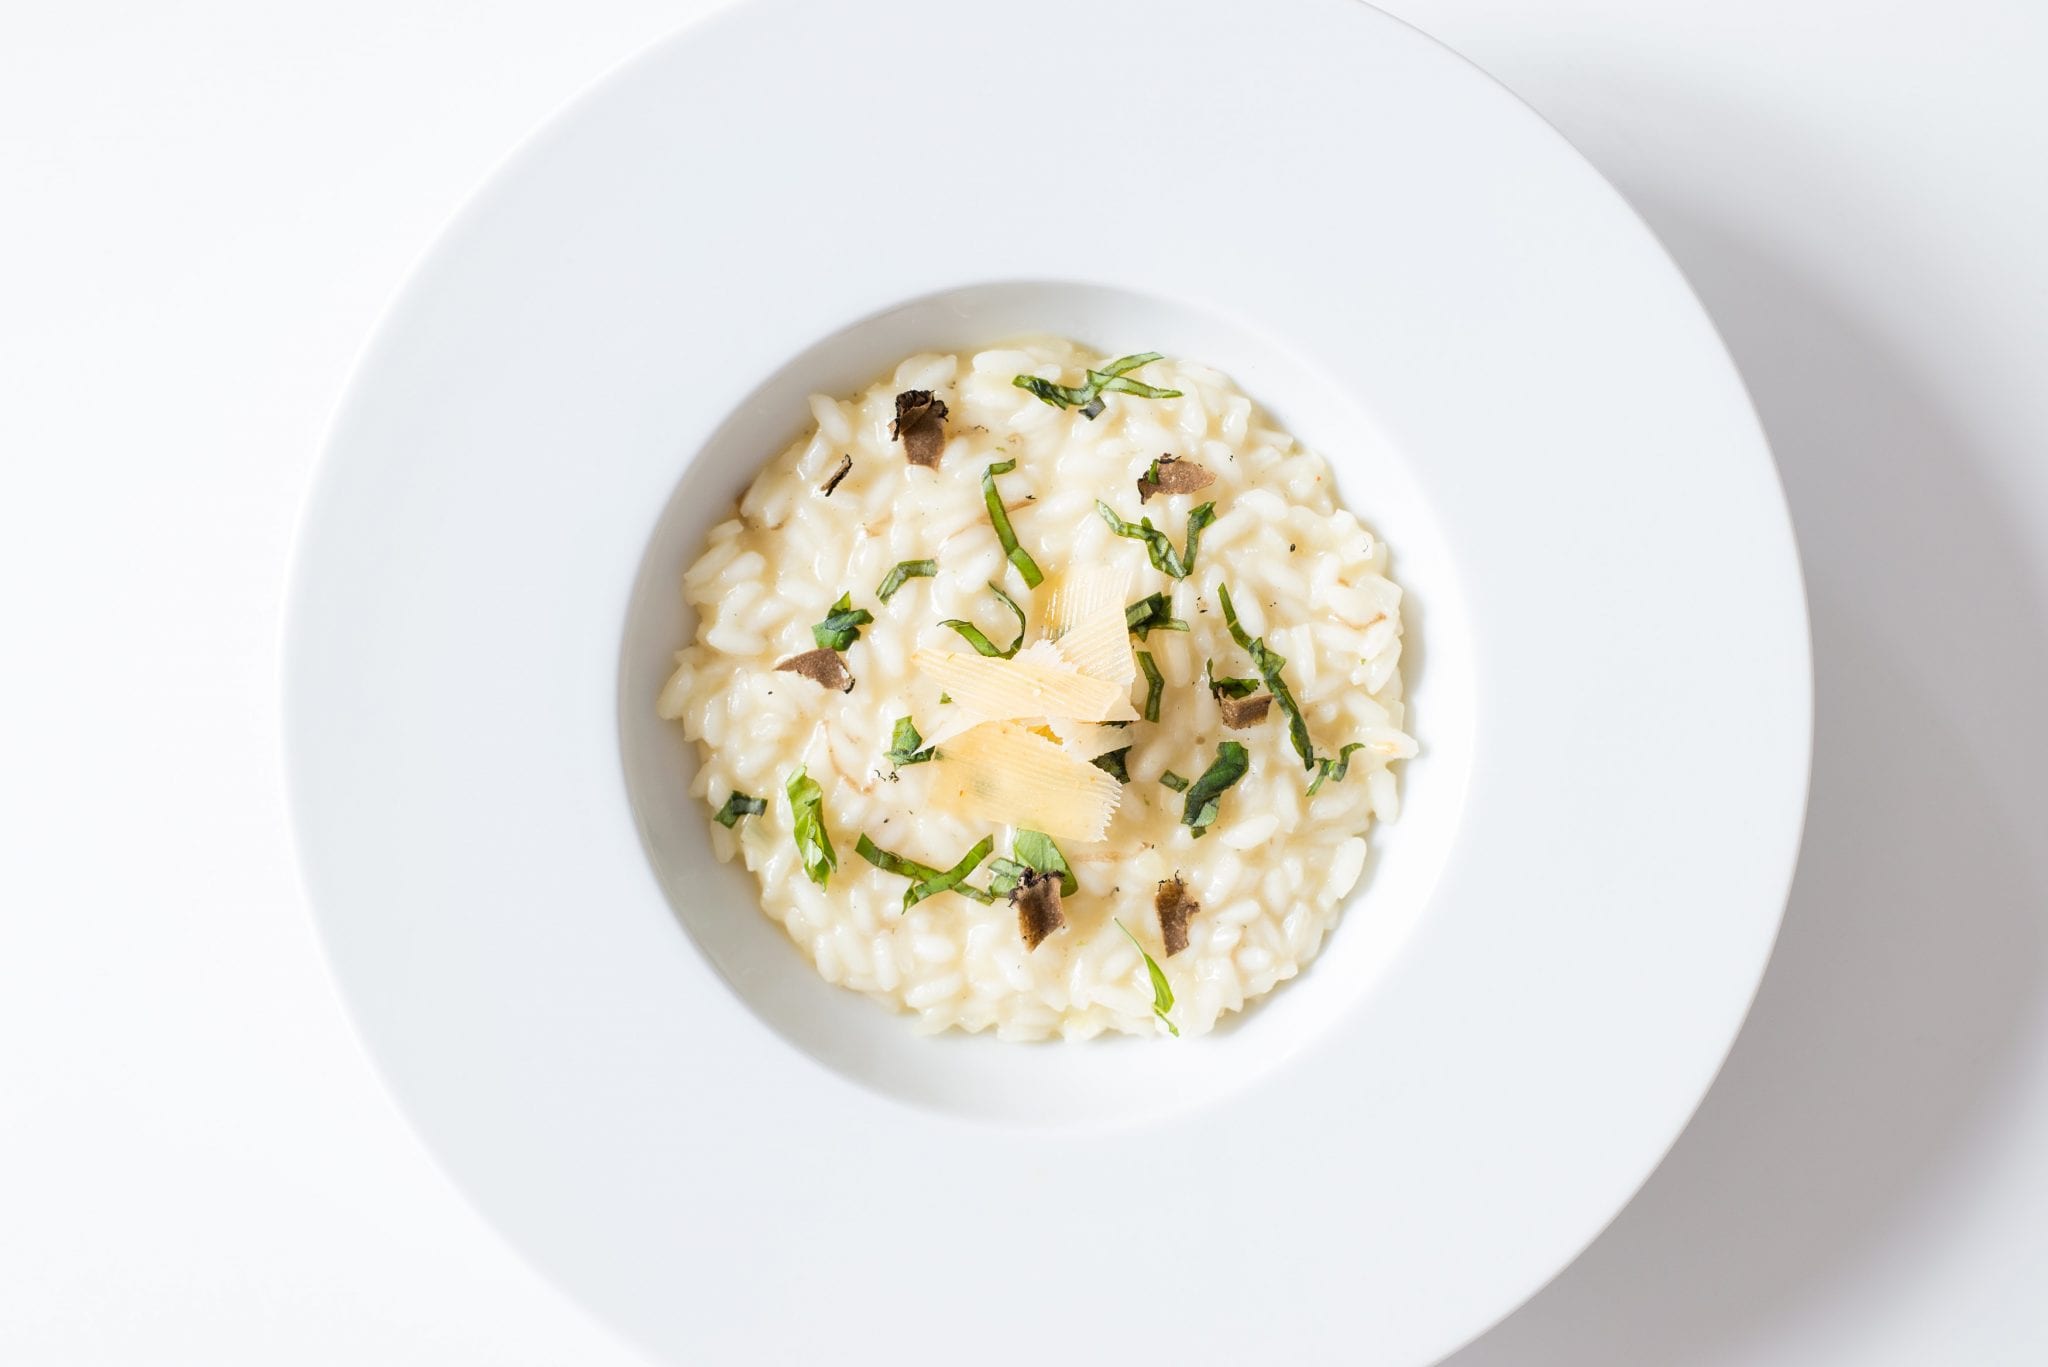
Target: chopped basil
x=1035, y=853
x=1111, y=379
x=1037, y=850
x=1205, y=794
x=890, y=863
x=1198, y=519
x=904, y=743
x=955, y=878
x=1162, y=990
x=1155, y=684
x=1004, y=875
x=980, y=642
x=807, y=815
x=1015, y=611
x=926, y=881
x=1270, y=663
x=997, y=515
x=739, y=804
x=1058, y=395
x=974, y=637
x=1117, y=764
x=1175, y=565
x=1334, y=769
x=841, y=627
x=903, y=573
x=1152, y=614
x=1174, y=781
x=1228, y=688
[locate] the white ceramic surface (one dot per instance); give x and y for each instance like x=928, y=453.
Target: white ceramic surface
x=1557, y=942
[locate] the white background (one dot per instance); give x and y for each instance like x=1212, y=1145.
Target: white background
x=203, y=209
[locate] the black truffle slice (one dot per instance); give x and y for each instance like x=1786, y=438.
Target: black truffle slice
x=921, y=426
x=1172, y=475
x=845, y=467
x=1242, y=713
x=824, y=668
x=1176, y=908
x=1037, y=899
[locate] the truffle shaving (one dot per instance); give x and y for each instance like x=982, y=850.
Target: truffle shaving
x=1176, y=908
x=845, y=467
x=1172, y=475
x=921, y=426
x=1037, y=899
x=1242, y=713
x=824, y=668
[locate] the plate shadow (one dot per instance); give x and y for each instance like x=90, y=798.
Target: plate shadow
x=1913, y=946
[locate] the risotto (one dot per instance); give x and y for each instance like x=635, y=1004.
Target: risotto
x=1046, y=693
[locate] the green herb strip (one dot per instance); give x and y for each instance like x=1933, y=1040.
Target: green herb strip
x=1004, y=875
x=904, y=743
x=1269, y=664
x=974, y=637
x=1015, y=611
x=1117, y=764
x=1174, y=565
x=1155, y=684
x=1123, y=384
x=1162, y=990
x=980, y=642
x=807, y=816
x=738, y=805
x=904, y=572
x=1006, y=534
x=1058, y=395
x=892, y=863
x=926, y=881
x=1035, y=853
x=1205, y=794
x=1228, y=688
x=1037, y=850
x=1111, y=379
x=1198, y=519
x=1174, y=781
x=1125, y=364
x=841, y=627
x=1334, y=770
x=1152, y=614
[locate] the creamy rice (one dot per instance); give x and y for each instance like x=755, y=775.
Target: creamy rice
x=1272, y=871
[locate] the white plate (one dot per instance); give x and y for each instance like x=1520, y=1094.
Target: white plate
x=632, y=1073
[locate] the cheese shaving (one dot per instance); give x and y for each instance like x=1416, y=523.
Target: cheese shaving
x=1002, y=772
x=1031, y=685
x=1088, y=739
x=1084, y=619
